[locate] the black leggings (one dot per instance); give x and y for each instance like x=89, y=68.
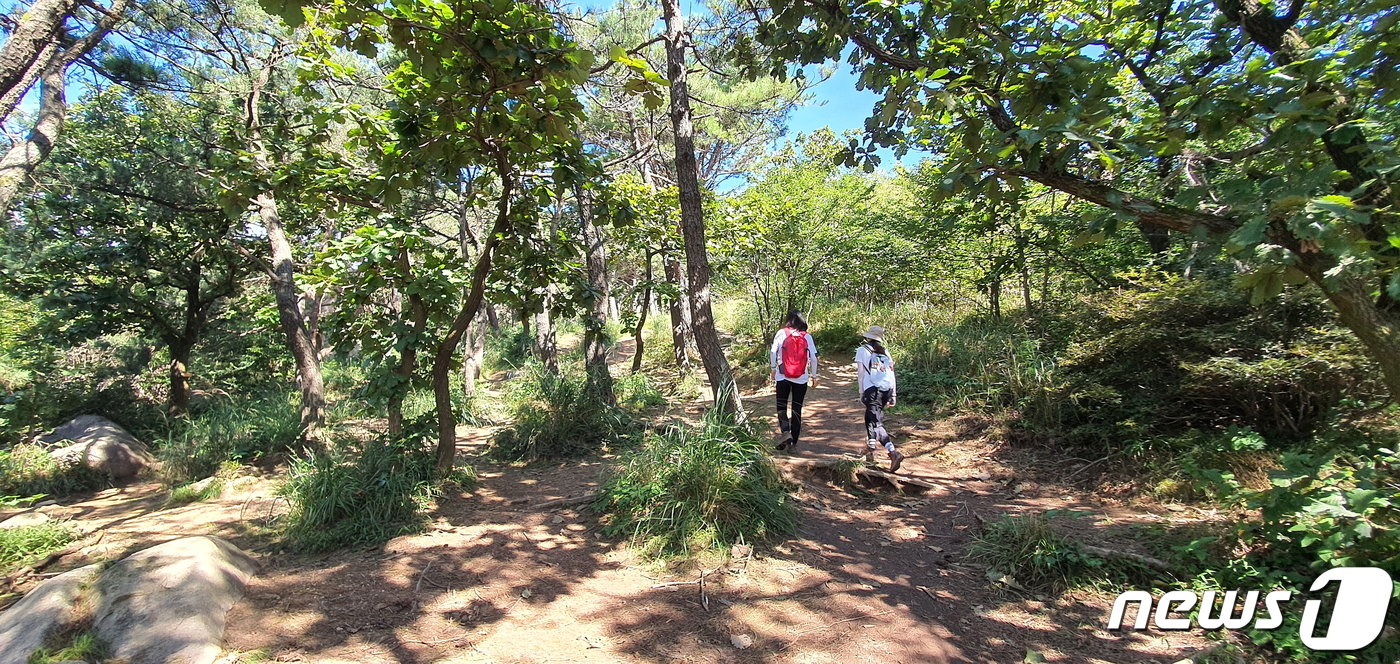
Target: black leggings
x=799, y=393
x=875, y=400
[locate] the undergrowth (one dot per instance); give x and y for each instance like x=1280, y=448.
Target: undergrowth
x=694, y=489
x=557, y=415
x=29, y=470
x=244, y=431
x=357, y=494
x=26, y=544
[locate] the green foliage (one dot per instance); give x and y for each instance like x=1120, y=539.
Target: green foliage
x=244, y=431
x=507, y=349
x=1172, y=354
x=113, y=376
x=27, y=470
x=1029, y=551
x=557, y=415
x=635, y=392
x=82, y=647
x=357, y=495
x=189, y=493
x=1318, y=511
x=27, y=544
x=692, y=489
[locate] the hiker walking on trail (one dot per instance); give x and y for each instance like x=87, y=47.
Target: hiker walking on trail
x=878, y=388
x=793, y=358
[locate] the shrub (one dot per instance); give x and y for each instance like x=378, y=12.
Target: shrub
x=558, y=416
x=1170, y=355
x=703, y=488
x=1029, y=551
x=357, y=495
x=29, y=470
x=507, y=349
x=242, y=431
x=27, y=544
x=1319, y=511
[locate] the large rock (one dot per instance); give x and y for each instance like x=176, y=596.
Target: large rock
x=102, y=445
x=169, y=603
x=24, y=626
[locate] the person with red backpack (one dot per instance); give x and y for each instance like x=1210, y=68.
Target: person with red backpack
x=793, y=358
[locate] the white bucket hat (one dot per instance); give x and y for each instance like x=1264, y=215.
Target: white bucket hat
x=875, y=332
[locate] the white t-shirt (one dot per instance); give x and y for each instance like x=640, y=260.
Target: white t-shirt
x=775, y=358
x=874, y=370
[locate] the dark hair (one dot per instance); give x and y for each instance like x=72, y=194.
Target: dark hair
x=796, y=321
x=875, y=345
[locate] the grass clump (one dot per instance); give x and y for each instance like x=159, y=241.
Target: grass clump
x=195, y=492
x=24, y=545
x=243, y=431
x=1026, y=552
x=85, y=647
x=558, y=415
x=693, y=489
x=357, y=495
x=29, y=470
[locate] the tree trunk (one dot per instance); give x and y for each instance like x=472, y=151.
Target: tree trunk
x=447, y=348
x=1378, y=329
x=546, y=345
x=643, y=308
x=680, y=315
x=726, y=392
x=26, y=155
x=595, y=341
x=38, y=30
x=179, y=401
x=474, y=354
x=284, y=289
x=408, y=359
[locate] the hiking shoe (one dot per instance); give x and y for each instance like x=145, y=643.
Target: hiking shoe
x=785, y=440
x=896, y=458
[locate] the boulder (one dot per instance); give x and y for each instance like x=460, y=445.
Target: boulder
x=24, y=626
x=25, y=520
x=169, y=603
x=100, y=444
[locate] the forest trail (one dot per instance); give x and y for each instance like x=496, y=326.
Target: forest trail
x=870, y=577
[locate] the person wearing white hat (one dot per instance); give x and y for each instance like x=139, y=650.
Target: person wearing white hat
x=878, y=389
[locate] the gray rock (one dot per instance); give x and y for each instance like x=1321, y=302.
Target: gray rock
x=169, y=603
x=26, y=519
x=100, y=444
x=24, y=626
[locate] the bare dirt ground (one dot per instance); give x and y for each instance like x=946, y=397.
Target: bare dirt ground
x=871, y=577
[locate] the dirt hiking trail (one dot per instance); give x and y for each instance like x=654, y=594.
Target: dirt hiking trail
x=871, y=577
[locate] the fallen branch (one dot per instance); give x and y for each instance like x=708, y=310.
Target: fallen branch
x=859, y=617
x=1127, y=555
x=899, y=482
x=565, y=502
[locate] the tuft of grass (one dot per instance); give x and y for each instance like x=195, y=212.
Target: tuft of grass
x=243, y=431
x=345, y=497
x=558, y=416
x=1025, y=551
x=193, y=493
x=27, y=544
x=29, y=470
x=635, y=392
x=696, y=489
x=85, y=647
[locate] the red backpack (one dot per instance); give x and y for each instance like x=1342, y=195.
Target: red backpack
x=795, y=353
